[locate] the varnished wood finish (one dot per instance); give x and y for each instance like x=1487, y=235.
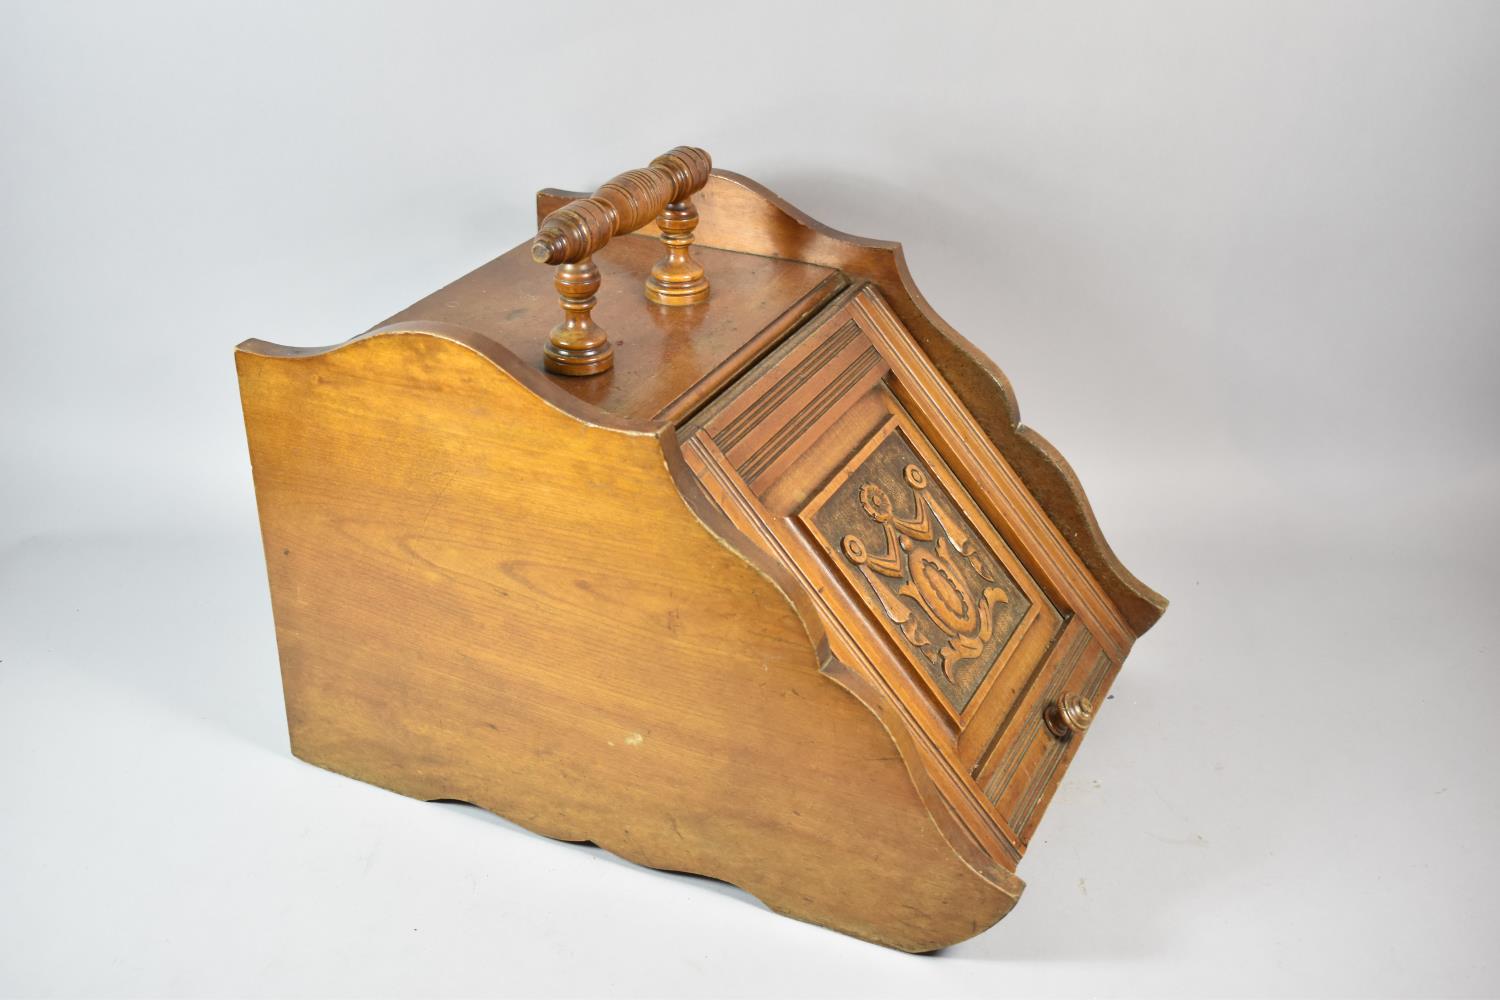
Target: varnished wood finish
x=479, y=596
x=741, y=215
x=570, y=235
x=851, y=387
x=1020, y=777
x=893, y=530
x=667, y=361
x=785, y=597
x=623, y=204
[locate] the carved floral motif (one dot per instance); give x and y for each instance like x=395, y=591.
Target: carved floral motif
x=925, y=562
x=940, y=587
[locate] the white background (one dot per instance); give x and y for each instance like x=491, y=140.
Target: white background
x=1241, y=262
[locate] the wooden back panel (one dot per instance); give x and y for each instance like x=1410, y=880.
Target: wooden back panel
x=739, y=214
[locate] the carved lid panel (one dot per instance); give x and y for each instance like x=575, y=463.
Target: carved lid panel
x=926, y=573
x=935, y=577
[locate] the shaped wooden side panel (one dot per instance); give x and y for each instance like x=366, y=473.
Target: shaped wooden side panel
x=480, y=596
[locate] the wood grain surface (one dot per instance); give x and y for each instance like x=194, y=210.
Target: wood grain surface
x=479, y=596
x=787, y=597
x=791, y=452
x=667, y=361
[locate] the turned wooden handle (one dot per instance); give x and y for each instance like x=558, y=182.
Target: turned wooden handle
x=622, y=205
x=570, y=236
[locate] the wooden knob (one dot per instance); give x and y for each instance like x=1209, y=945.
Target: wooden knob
x=571, y=235
x=1069, y=714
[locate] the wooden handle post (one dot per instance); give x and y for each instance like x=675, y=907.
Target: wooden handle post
x=571, y=235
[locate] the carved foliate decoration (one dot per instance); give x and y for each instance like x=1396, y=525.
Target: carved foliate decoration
x=923, y=567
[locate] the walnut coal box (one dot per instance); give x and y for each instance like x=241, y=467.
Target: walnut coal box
x=688, y=528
